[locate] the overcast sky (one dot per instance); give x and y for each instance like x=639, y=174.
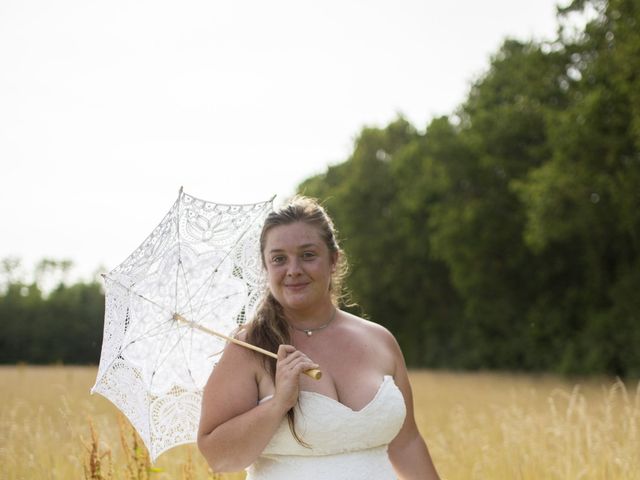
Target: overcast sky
x=108, y=107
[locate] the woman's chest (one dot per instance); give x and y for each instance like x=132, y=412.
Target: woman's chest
x=351, y=371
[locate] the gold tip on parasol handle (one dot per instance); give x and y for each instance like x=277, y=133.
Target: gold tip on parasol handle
x=314, y=373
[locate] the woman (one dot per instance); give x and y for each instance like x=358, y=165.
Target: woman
x=357, y=421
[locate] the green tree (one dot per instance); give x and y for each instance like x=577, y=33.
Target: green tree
x=477, y=225
x=507, y=237
x=583, y=205
x=36, y=326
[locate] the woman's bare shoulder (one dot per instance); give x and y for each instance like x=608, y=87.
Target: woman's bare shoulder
x=373, y=340
x=238, y=360
x=371, y=329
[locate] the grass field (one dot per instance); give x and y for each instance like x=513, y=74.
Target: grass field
x=477, y=426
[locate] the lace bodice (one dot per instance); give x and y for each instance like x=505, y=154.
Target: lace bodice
x=344, y=443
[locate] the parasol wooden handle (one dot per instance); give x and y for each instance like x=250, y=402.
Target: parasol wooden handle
x=314, y=373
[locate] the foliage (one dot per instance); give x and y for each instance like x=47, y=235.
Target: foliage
x=61, y=326
x=506, y=236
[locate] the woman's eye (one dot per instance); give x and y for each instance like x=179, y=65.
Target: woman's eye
x=278, y=259
x=308, y=255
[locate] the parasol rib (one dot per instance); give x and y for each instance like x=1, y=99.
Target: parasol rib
x=211, y=278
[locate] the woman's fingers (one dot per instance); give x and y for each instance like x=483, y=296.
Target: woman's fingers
x=288, y=356
x=293, y=358
x=290, y=365
x=284, y=350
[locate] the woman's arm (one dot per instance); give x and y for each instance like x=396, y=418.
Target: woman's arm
x=408, y=451
x=234, y=429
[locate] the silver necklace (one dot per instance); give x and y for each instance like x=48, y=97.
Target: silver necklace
x=309, y=331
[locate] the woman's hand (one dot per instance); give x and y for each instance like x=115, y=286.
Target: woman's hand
x=290, y=365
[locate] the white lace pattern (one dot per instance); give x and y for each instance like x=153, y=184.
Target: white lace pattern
x=202, y=262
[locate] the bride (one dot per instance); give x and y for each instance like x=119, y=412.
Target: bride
x=357, y=421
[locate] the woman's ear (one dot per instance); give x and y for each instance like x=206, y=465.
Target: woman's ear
x=334, y=261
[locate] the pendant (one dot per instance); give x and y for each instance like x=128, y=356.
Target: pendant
x=308, y=332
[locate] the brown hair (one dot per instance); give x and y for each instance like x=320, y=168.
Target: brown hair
x=269, y=328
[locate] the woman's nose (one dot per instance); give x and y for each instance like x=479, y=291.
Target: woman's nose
x=294, y=267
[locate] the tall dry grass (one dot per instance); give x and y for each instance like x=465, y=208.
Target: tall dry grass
x=525, y=427
x=477, y=426
x=46, y=421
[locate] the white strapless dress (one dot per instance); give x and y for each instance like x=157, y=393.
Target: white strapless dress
x=345, y=444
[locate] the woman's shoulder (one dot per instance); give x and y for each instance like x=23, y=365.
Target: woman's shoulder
x=363, y=326
x=238, y=356
x=365, y=344
x=376, y=337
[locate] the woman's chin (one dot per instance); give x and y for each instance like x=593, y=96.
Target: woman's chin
x=297, y=302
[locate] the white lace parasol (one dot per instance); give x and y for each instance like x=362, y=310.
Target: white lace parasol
x=199, y=270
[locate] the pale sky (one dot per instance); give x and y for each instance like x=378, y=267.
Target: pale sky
x=108, y=107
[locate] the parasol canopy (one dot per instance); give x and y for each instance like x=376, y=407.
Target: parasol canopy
x=198, y=271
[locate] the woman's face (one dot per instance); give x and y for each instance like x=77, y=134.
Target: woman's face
x=299, y=266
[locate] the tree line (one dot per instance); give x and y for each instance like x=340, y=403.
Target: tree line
x=506, y=235
x=45, y=318
x=503, y=236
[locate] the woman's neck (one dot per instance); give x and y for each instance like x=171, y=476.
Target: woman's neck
x=311, y=319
